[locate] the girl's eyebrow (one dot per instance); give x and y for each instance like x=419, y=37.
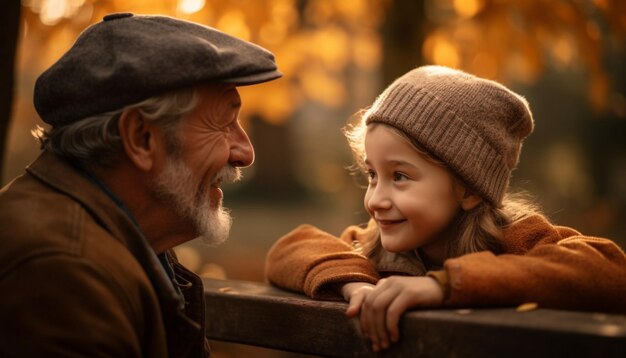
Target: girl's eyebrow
x=395, y=162
x=399, y=162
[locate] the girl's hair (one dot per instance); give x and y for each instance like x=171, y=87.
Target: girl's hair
x=476, y=230
x=96, y=139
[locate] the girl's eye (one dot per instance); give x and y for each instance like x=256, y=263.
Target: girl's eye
x=398, y=176
x=371, y=175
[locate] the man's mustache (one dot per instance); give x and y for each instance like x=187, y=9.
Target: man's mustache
x=227, y=174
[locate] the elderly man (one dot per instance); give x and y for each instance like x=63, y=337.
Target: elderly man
x=144, y=129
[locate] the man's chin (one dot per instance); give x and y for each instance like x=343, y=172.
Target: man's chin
x=213, y=240
x=215, y=227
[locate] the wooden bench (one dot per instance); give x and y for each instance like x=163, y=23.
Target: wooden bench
x=257, y=314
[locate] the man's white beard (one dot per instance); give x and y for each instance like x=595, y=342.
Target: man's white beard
x=177, y=187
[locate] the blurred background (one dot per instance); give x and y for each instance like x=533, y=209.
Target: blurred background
x=567, y=57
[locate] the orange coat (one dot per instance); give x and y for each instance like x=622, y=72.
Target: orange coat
x=554, y=266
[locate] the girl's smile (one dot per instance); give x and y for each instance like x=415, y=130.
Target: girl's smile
x=387, y=225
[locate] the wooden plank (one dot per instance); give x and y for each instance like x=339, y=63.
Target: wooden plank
x=257, y=314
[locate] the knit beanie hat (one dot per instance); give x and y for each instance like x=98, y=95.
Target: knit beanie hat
x=475, y=126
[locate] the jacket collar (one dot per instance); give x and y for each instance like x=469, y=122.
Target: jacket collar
x=526, y=233
x=113, y=217
x=403, y=263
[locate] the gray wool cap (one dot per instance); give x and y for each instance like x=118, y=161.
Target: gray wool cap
x=127, y=58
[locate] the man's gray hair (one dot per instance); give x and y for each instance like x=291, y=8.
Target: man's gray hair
x=96, y=140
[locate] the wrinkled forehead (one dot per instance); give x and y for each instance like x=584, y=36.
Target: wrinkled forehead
x=221, y=92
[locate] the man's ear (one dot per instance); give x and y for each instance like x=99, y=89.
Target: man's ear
x=466, y=197
x=139, y=139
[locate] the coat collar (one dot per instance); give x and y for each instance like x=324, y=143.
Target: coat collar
x=526, y=233
x=517, y=238
x=404, y=263
x=112, y=215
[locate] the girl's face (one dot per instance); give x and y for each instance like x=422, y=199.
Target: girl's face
x=412, y=199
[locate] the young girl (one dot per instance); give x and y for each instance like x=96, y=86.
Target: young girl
x=438, y=147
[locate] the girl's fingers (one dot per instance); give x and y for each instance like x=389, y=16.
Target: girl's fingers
x=379, y=320
x=382, y=307
x=367, y=318
x=373, y=314
x=395, y=310
x=355, y=304
x=364, y=319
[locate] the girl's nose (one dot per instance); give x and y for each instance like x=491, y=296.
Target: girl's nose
x=377, y=198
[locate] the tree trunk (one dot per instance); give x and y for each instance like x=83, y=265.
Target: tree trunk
x=403, y=36
x=10, y=18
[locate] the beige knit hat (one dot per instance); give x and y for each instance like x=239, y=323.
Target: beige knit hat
x=475, y=126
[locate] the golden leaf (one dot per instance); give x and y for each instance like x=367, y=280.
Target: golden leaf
x=527, y=307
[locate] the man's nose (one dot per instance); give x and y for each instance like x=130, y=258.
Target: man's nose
x=241, y=149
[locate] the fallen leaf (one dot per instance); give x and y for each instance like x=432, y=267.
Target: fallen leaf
x=527, y=307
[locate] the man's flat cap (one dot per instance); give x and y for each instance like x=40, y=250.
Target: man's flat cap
x=127, y=58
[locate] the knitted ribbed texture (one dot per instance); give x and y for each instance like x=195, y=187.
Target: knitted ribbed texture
x=475, y=126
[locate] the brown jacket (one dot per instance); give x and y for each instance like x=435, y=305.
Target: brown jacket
x=77, y=277
x=553, y=266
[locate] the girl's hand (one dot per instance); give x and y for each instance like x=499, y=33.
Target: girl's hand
x=355, y=293
x=383, y=306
